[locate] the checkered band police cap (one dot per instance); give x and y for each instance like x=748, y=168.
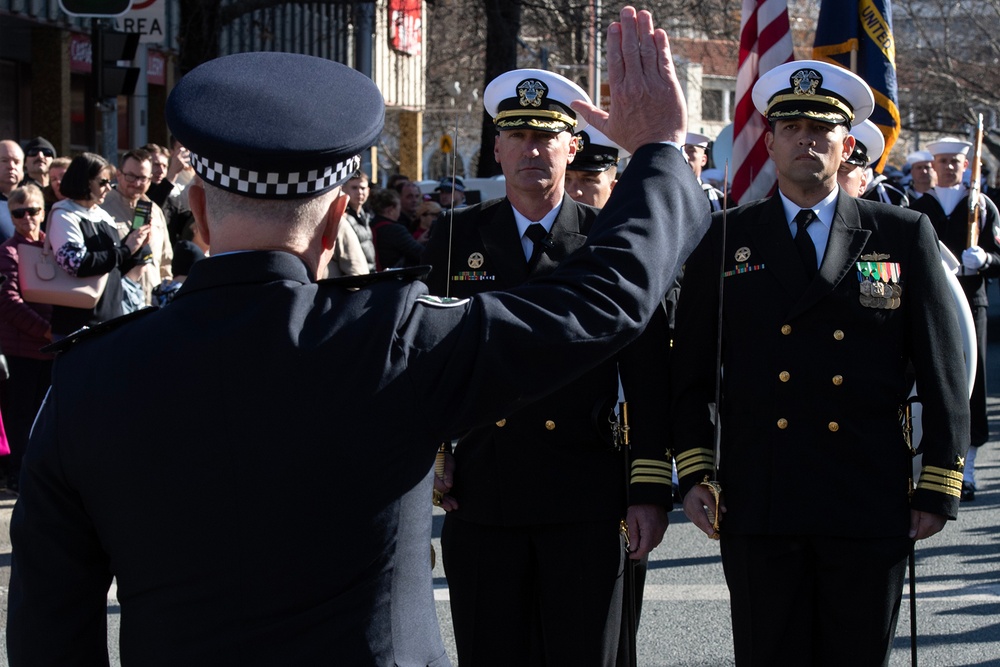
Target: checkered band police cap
x=275, y=125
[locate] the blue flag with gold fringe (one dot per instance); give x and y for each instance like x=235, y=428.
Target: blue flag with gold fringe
x=857, y=35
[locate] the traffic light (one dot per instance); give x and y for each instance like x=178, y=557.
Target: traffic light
x=109, y=48
x=106, y=8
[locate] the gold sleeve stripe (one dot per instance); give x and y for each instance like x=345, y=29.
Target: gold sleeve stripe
x=694, y=461
x=651, y=471
x=943, y=472
x=647, y=479
x=941, y=480
x=651, y=463
x=699, y=452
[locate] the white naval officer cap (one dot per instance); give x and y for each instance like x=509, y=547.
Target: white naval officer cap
x=919, y=156
x=868, y=144
x=949, y=146
x=813, y=89
x=534, y=99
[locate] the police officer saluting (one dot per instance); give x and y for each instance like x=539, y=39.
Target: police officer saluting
x=827, y=299
x=258, y=525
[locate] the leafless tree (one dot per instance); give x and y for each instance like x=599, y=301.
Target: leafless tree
x=948, y=65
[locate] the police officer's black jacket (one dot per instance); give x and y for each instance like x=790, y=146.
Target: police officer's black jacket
x=248, y=513
x=814, y=376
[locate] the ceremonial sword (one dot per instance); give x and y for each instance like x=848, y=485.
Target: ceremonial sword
x=713, y=484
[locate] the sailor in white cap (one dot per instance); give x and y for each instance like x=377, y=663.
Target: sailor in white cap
x=947, y=205
x=855, y=173
x=312, y=408
x=922, y=174
x=696, y=149
x=592, y=174
x=531, y=540
x=827, y=299
x=869, y=144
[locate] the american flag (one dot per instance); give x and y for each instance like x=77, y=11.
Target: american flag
x=765, y=43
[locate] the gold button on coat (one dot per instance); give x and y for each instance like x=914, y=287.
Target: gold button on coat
x=782, y=423
x=838, y=335
x=833, y=426
x=838, y=380
x=502, y=423
x=784, y=376
x=786, y=329
x=550, y=425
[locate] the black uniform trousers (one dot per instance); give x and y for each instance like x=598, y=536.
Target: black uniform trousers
x=788, y=603
x=544, y=582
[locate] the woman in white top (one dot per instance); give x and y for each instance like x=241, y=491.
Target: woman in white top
x=86, y=242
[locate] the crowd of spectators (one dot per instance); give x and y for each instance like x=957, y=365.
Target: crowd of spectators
x=84, y=207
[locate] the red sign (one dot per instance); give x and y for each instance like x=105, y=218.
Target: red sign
x=80, y=53
x=156, y=68
x=406, y=23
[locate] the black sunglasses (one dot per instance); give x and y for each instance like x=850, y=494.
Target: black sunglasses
x=19, y=213
x=104, y=181
x=32, y=152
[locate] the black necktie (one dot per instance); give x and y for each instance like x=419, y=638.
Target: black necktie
x=807, y=251
x=536, y=232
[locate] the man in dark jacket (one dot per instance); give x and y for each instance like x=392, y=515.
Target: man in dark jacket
x=260, y=529
x=531, y=543
x=827, y=300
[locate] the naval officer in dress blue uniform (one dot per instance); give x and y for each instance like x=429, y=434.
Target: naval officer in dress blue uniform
x=258, y=527
x=531, y=542
x=827, y=300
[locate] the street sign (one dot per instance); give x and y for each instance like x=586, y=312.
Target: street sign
x=148, y=18
x=446, y=146
x=95, y=8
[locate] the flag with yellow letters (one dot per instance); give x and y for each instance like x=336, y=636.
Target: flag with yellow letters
x=857, y=35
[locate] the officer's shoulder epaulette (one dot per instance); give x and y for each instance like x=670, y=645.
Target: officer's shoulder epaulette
x=407, y=274
x=88, y=333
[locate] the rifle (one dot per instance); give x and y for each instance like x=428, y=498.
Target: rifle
x=974, y=185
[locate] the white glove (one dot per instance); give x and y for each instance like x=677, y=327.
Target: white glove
x=974, y=258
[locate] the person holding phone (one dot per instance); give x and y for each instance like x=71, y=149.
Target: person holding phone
x=133, y=178
x=86, y=242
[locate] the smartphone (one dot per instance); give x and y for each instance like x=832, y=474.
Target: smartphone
x=143, y=209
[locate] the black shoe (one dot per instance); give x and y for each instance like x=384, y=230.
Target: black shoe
x=968, y=492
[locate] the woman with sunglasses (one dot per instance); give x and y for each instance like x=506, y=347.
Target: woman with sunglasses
x=24, y=328
x=86, y=242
